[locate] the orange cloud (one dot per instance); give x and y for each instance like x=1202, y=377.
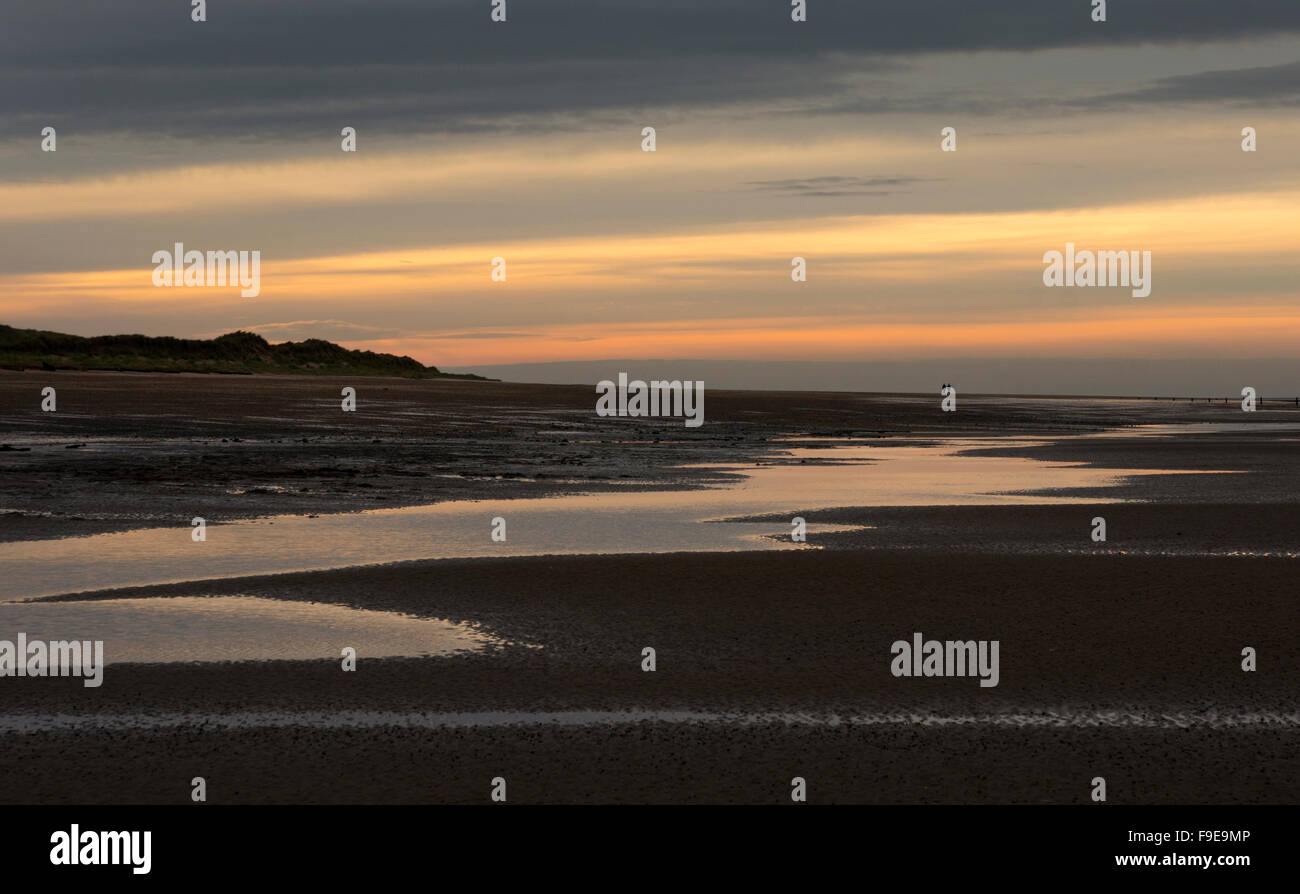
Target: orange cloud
x=1168, y=331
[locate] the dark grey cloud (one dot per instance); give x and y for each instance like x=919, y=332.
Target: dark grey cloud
x=1269, y=84
x=289, y=33
x=833, y=185
x=288, y=68
x=432, y=97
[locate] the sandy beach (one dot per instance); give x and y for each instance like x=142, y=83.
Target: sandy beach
x=1120, y=659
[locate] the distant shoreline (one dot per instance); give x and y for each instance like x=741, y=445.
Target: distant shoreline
x=235, y=353
x=7, y=366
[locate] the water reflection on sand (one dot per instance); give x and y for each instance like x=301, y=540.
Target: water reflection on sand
x=836, y=473
x=233, y=628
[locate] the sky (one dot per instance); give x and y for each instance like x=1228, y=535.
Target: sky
x=774, y=140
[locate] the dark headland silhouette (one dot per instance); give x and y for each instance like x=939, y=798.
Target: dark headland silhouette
x=236, y=352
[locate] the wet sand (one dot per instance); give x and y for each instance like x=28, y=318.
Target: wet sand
x=135, y=450
x=1155, y=640
x=1123, y=664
